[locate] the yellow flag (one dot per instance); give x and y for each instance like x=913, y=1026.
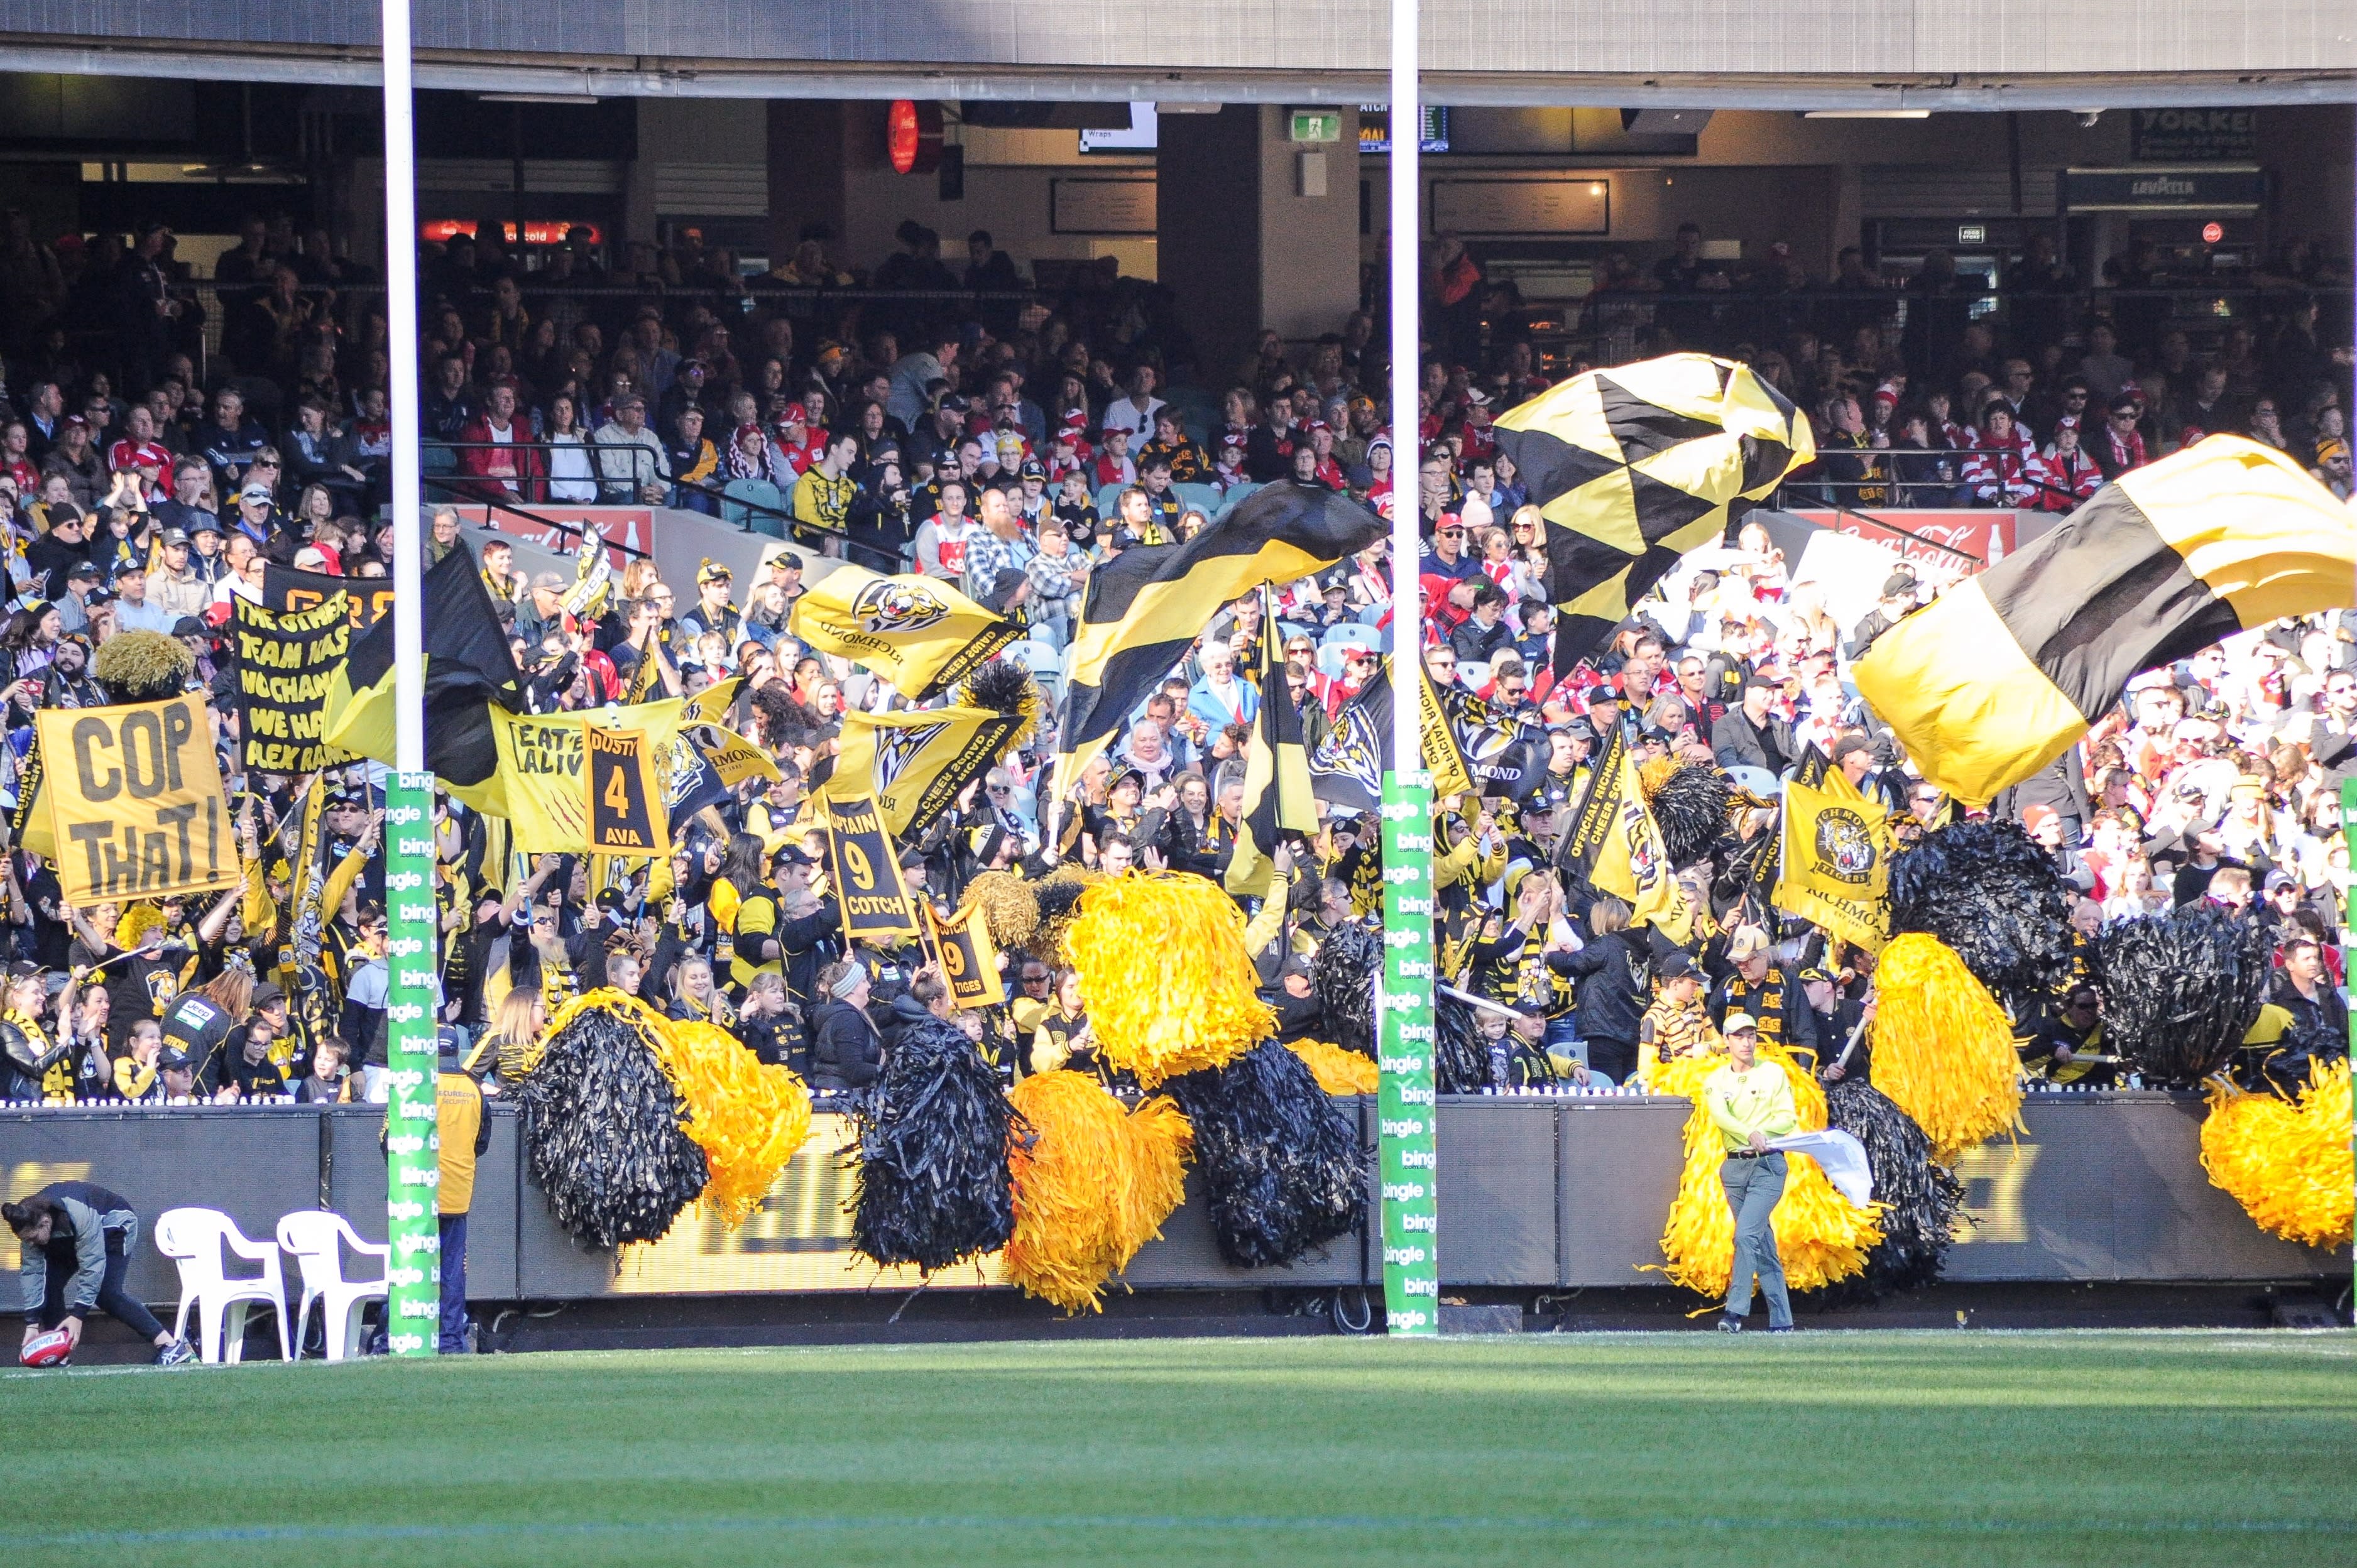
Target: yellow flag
x=1836, y=853
x=134, y=801
x=538, y=784
x=1615, y=846
x=915, y=763
x=918, y=633
x=969, y=961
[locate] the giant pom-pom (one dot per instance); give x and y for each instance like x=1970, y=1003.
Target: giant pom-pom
x=142, y=666
x=747, y=1116
x=1168, y=986
x=1994, y=897
x=602, y=1125
x=1922, y=1201
x=2180, y=989
x=1343, y=971
x=933, y=1185
x=1942, y=1048
x=1338, y=1071
x=2286, y=1161
x=1460, y=1058
x=1004, y=686
x=1281, y=1162
x=1009, y=906
x=1092, y=1184
x=1690, y=808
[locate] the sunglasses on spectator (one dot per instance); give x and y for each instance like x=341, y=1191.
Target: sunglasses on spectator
x=1450, y=532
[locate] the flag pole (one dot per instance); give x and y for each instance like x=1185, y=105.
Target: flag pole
x=413, y=1157
x=1410, y=1205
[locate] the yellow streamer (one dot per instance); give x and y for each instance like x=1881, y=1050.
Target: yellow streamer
x=1943, y=1047
x=2287, y=1162
x=1092, y=1186
x=1338, y=1071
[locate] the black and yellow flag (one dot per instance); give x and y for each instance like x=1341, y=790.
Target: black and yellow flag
x=1146, y=607
x=918, y=633
x=864, y=871
x=1615, y=846
x=1348, y=767
x=286, y=661
x=1836, y=860
x=2006, y=671
x=469, y=671
x=623, y=793
x=914, y=765
x=1278, y=797
x=969, y=961
x=1635, y=466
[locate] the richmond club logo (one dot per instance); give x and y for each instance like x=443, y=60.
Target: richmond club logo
x=885, y=605
x=1349, y=752
x=896, y=748
x=1845, y=846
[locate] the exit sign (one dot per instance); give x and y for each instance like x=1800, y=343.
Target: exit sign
x=1972, y=234
x=1317, y=125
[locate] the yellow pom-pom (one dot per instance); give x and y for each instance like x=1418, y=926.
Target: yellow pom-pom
x=2287, y=1162
x=1655, y=774
x=137, y=921
x=1943, y=1047
x=1338, y=1071
x=1009, y=906
x=1093, y=1184
x=749, y=1117
x=1820, y=1236
x=1168, y=986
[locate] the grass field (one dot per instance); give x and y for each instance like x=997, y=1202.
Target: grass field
x=1918, y=1448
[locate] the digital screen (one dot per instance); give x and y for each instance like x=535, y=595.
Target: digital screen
x=1139, y=138
x=1375, y=128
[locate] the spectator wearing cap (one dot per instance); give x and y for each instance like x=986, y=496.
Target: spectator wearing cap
x=1677, y=1024
x=82, y=579
x=1752, y=735
x=1446, y=557
x=1756, y=983
x=49, y=558
x=632, y=468
x=174, y=585
x=1897, y=602
x=78, y=458
x=133, y=612
x=692, y=461
x=1750, y=1103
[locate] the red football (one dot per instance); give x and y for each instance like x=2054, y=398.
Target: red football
x=54, y=1348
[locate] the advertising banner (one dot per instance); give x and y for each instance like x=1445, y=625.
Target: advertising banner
x=412, y=1147
x=1408, y=1157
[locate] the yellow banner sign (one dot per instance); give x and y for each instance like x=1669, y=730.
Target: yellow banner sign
x=538, y=785
x=134, y=800
x=969, y=961
x=623, y=799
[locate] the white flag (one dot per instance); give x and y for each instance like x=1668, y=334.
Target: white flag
x=1843, y=1157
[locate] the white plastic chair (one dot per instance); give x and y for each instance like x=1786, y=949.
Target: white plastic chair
x=194, y=1238
x=314, y=1236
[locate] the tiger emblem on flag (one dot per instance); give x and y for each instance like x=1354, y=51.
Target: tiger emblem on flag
x=890, y=605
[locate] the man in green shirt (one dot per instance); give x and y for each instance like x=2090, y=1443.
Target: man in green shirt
x=1750, y=1102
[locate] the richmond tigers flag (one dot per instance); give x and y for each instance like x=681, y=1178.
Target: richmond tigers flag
x=2009, y=668
x=1837, y=851
x=917, y=632
x=915, y=763
x=1635, y=466
x=1615, y=846
x=1348, y=767
x=1145, y=608
x=1277, y=798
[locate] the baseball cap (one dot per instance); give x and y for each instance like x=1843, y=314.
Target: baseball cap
x=1739, y=1023
x=84, y=569
x=795, y=414
x=1747, y=941
x=267, y=993
x=713, y=571
x=2281, y=879
x=2034, y=817
x=172, y=1058
x=176, y=536
x=254, y=493
x=1678, y=966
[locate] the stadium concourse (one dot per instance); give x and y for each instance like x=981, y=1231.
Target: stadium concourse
x=1014, y=822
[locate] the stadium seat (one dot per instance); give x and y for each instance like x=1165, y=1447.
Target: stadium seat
x=1037, y=657
x=1235, y=493
x=1473, y=676
x=1205, y=498
x=1352, y=634
x=1331, y=659
x=1109, y=500
x=1372, y=615
x=736, y=513
x=196, y=1238
x=314, y=1237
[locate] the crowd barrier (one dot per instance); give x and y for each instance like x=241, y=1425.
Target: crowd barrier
x=1538, y=1192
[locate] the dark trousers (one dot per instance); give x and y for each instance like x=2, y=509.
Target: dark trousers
x=112, y=1297
x=454, y=1285
x=1616, y=1059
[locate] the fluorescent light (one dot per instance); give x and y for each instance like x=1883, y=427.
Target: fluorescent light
x=576, y=98
x=1866, y=115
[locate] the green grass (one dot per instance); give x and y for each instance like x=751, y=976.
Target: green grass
x=1903, y=1448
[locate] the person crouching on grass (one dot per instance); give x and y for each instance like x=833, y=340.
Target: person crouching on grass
x=1750, y=1102
x=77, y=1240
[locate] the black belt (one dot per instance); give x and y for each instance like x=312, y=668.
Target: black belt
x=1751, y=1154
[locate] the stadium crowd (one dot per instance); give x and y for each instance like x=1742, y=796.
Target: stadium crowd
x=1009, y=447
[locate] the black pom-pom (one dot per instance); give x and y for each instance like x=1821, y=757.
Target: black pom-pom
x=1344, y=970
x=2181, y=990
x=1281, y=1162
x=998, y=684
x=1690, y=808
x=601, y=1134
x=1986, y=891
x=1460, y=1063
x=934, y=1186
x=1925, y=1199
